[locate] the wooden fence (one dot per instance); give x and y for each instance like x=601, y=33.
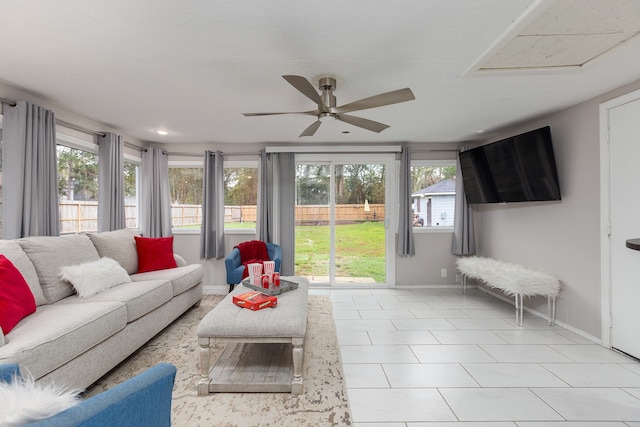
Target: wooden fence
x=82, y=217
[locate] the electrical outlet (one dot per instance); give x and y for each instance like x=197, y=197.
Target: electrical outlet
x=443, y=272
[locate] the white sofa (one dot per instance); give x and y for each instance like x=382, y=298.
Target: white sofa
x=74, y=341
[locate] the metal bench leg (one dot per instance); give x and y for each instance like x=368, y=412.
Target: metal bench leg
x=551, y=309
x=519, y=308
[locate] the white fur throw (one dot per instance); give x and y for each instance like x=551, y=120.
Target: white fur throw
x=23, y=401
x=511, y=278
x=94, y=277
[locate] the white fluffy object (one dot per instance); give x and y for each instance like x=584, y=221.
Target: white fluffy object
x=94, y=277
x=23, y=401
x=511, y=278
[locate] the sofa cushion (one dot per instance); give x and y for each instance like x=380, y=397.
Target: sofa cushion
x=12, y=250
x=155, y=253
x=57, y=333
x=119, y=245
x=16, y=299
x=140, y=298
x=49, y=254
x=182, y=278
x=93, y=277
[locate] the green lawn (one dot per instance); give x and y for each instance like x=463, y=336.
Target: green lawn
x=360, y=250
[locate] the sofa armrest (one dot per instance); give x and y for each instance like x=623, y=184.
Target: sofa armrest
x=180, y=262
x=234, y=267
x=275, y=254
x=8, y=371
x=142, y=401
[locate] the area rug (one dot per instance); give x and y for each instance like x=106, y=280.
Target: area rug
x=324, y=402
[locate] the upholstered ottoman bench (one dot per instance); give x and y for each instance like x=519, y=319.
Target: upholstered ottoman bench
x=262, y=346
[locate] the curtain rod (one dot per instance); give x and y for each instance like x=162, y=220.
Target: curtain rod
x=13, y=103
x=80, y=128
x=202, y=154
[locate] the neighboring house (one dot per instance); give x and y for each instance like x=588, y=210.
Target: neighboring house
x=435, y=204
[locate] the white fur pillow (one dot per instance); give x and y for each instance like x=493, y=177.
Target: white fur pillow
x=23, y=401
x=94, y=277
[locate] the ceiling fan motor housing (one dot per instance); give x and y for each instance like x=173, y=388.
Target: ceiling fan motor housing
x=327, y=85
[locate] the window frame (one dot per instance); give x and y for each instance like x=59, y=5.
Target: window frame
x=237, y=164
x=227, y=164
x=137, y=161
x=184, y=164
x=67, y=140
x=433, y=163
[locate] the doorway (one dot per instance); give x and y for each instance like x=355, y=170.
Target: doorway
x=621, y=265
x=343, y=233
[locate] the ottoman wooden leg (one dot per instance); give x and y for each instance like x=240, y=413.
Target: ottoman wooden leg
x=298, y=355
x=205, y=360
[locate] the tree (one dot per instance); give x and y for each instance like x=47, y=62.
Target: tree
x=77, y=174
x=240, y=186
x=425, y=176
x=130, y=184
x=312, y=184
x=185, y=186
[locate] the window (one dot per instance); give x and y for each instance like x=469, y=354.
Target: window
x=240, y=195
x=77, y=185
x=433, y=193
x=185, y=192
x=131, y=173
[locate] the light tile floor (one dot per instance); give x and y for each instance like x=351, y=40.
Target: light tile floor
x=438, y=358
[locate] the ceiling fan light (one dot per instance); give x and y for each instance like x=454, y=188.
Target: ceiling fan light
x=326, y=117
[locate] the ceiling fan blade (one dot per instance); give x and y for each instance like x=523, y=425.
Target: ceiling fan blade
x=308, y=113
x=311, y=129
x=304, y=86
x=388, y=98
x=362, y=123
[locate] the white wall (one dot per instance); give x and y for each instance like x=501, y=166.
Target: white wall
x=560, y=238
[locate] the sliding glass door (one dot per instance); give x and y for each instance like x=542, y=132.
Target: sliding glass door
x=343, y=233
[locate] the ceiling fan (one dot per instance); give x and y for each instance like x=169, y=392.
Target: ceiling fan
x=327, y=109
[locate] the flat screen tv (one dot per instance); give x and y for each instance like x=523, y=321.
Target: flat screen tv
x=517, y=169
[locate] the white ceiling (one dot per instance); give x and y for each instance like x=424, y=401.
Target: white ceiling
x=194, y=66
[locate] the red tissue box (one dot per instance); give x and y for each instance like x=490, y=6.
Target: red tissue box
x=255, y=300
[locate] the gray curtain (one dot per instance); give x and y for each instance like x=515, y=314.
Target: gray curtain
x=111, y=182
x=30, y=169
x=264, y=210
x=405, y=244
x=155, y=206
x=276, y=219
x=464, y=241
x=212, y=230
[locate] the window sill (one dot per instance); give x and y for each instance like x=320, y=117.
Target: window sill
x=238, y=231
x=185, y=231
x=432, y=230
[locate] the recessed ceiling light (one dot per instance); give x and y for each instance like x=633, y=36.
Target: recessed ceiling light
x=162, y=132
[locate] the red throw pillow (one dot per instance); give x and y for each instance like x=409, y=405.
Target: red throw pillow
x=16, y=298
x=155, y=253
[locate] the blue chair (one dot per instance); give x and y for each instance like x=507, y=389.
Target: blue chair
x=235, y=269
x=142, y=401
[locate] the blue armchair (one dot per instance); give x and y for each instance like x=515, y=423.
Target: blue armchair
x=234, y=266
x=142, y=401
